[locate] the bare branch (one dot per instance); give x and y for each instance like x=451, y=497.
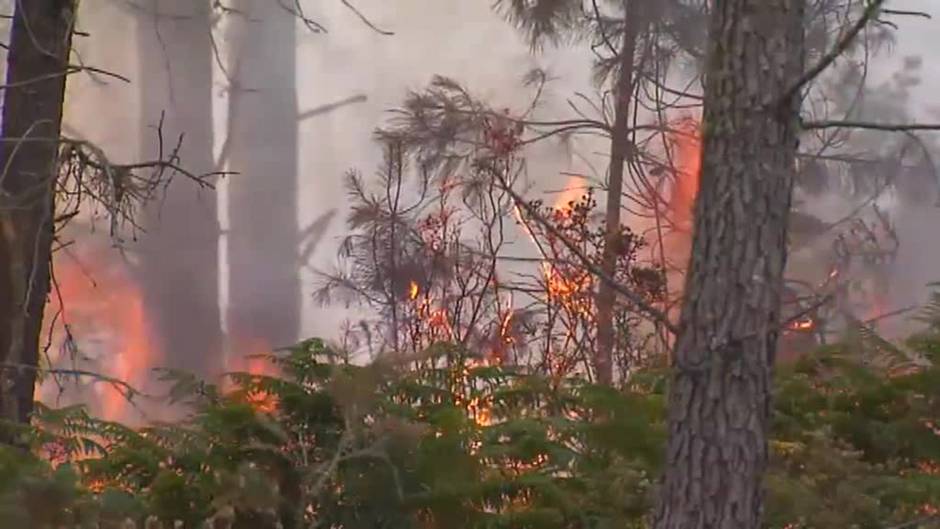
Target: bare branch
x=365, y=20
x=323, y=109
x=841, y=46
x=870, y=125
x=907, y=13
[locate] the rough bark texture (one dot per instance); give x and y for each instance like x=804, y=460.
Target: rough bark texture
x=619, y=152
x=180, y=251
x=720, y=393
x=264, y=281
x=37, y=62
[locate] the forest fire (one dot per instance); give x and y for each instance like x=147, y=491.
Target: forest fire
x=687, y=159
x=97, y=308
x=574, y=190
x=480, y=411
x=257, y=365
x=684, y=155
x=99, y=323
x=805, y=324
x=564, y=284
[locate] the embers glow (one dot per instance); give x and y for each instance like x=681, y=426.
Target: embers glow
x=428, y=316
x=257, y=365
x=805, y=324
x=567, y=287
x=480, y=411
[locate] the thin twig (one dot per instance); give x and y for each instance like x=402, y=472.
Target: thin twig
x=365, y=20
x=841, y=46
x=870, y=125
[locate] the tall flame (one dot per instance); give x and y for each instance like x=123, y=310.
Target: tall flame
x=687, y=153
x=685, y=149
x=96, y=297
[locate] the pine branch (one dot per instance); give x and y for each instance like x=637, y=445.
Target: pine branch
x=841, y=46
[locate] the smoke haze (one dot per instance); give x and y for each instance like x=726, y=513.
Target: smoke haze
x=462, y=39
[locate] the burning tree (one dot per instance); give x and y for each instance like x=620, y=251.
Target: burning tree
x=50, y=180
x=429, y=249
x=569, y=304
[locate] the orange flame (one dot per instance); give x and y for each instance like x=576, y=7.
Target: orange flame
x=573, y=191
x=413, y=290
x=479, y=410
x=256, y=365
x=687, y=143
x=96, y=296
x=682, y=188
x=803, y=325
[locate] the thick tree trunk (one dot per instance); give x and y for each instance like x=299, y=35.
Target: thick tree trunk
x=719, y=405
x=180, y=249
x=620, y=153
x=264, y=281
x=37, y=64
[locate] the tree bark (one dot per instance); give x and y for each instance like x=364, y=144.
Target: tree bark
x=719, y=406
x=264, y=282
x=37, y=65
x=180, y=251
x=620, y=152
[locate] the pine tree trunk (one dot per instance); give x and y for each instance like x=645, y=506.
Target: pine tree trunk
x=180, y=248
x=719, y=406
x=619, y=155
x=264, y=283
x=37, y=62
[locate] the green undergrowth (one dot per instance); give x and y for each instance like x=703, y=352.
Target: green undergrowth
x=442, y=441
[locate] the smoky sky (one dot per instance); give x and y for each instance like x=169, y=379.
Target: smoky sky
x=462, y=39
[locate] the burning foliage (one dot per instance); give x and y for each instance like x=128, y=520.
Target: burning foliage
x=569, y=287
x=429, y=246
x=468, y=444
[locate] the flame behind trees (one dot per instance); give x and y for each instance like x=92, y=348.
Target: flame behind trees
x=685, y=155
x=98, y=322
x=568, y=285
x=429, y=246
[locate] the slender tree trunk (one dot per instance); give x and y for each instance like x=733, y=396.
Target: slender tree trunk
x=719, y=406
x=264, y=282
x=37, y=61
x=620, y=153
x=180, y=249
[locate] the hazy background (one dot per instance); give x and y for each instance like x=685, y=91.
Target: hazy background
x=462, y=39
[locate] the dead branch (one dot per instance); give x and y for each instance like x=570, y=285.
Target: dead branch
x=870, y=125
x=323, y=109
x=871, y=10
x=365, y=20
x=125, y=389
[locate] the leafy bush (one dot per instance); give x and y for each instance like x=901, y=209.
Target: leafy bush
x=443, y=440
